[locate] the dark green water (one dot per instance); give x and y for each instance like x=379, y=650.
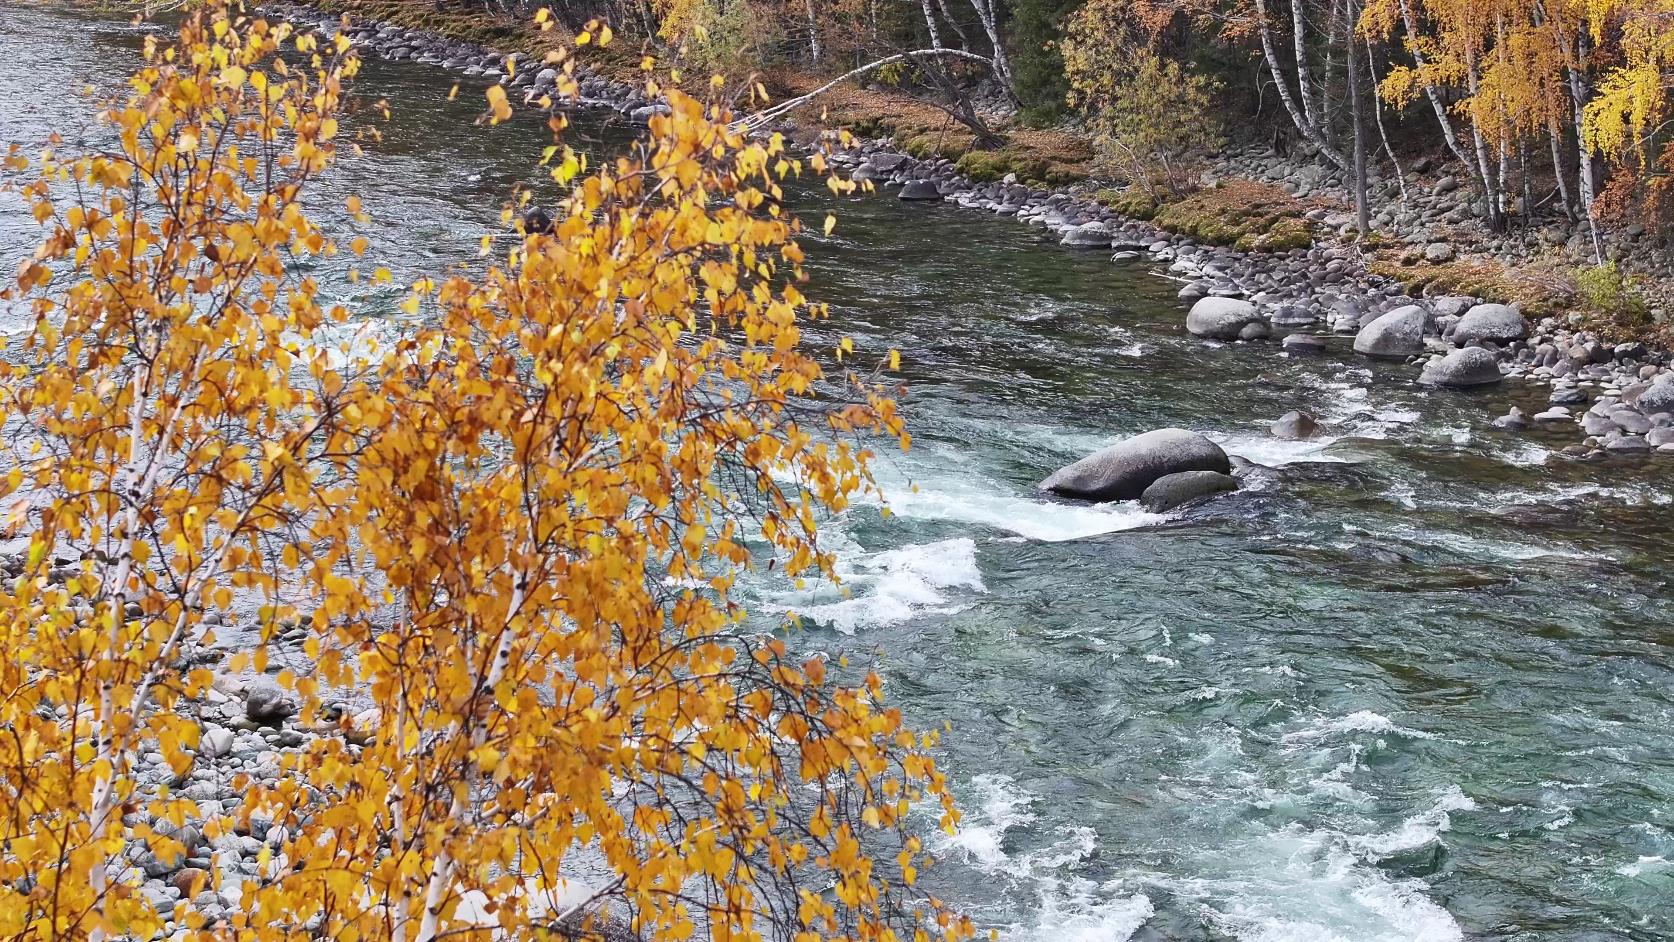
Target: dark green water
x=1413, y=684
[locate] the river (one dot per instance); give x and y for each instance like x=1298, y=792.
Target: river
x=1412, y=685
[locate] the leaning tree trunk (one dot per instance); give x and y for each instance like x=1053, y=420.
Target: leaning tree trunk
x=1552, y=135
x=1432, y=93
x=813, y=34
x=964, y=40
x=1362, y=212
x=930, y=21
x=1383, y=132
x=1304, y=74
x=1300, y=117
x=991, y=26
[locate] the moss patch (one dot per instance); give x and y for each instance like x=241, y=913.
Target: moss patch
x=1538, y=289
x=1250, y=216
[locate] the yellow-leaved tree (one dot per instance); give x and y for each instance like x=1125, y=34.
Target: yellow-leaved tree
x=512, y=534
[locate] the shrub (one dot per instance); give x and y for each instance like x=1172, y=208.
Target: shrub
x=1612, y=303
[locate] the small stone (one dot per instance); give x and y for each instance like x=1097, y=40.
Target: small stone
x=1438, y=252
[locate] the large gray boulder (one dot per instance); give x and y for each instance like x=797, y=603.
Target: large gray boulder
x=1294, y=426
x=1471, y=366
x=1124, y=470
x=1394, y=335
x=1183, y=487
x=1091, y=235
x=1659, y=397
x=920, y=190
x=1495, y=323
x=1220, y=318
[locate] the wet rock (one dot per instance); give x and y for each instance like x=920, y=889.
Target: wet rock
x=1470, y=366
x=1254, y=330
x=1295, y=426
x=1626, y=444
x=1492, y=322
x=1303, y=345
x=920, y=190
x=1396, y=335
x=1514, y=419
x=1220, y=318
x=1568, y=396
x=1124, y=470
x=1175, y=490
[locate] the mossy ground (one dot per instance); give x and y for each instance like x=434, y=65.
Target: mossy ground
x=1538, y=288
x=1246, y=215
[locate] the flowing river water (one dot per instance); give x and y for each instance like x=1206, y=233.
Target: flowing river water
x=1411, y=685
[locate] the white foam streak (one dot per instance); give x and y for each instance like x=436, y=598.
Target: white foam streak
x=1360, y=721
x=1044, y=520
x=892, y=586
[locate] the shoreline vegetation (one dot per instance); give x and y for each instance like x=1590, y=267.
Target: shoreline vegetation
x=1264, y=248
x=1428, y=229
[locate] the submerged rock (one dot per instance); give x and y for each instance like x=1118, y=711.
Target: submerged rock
x=920, y=190
x=1303, y=345
x=1124, y=470
x=1470, y=366
x=1183, y=487
x=1220, y=318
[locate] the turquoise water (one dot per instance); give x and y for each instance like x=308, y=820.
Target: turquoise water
x=1411, y=684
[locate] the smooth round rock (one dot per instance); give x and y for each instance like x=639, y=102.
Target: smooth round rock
x=1092, y=235
x=1175, y=490
x=920, y=190
x=1470, y=366
x=1295, y=426
x=1303, y=345
x=1395, y=335
x=1492, y=322
x=1215, y=318
x=1124, y=470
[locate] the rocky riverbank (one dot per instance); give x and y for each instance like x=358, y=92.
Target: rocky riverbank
x=1303, y=296
x=1311, y=296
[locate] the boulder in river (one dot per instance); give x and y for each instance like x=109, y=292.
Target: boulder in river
x=1395, y=335
x=1174, y=490
x=1124, y=470
x=1470, y=366
x=920, y=190
x=1496, y=323
x=1303, y=345
x=1220, y=318
x=1295, y=426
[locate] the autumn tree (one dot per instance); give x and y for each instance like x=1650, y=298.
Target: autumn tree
x=1149, y=115
x=516, y=529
